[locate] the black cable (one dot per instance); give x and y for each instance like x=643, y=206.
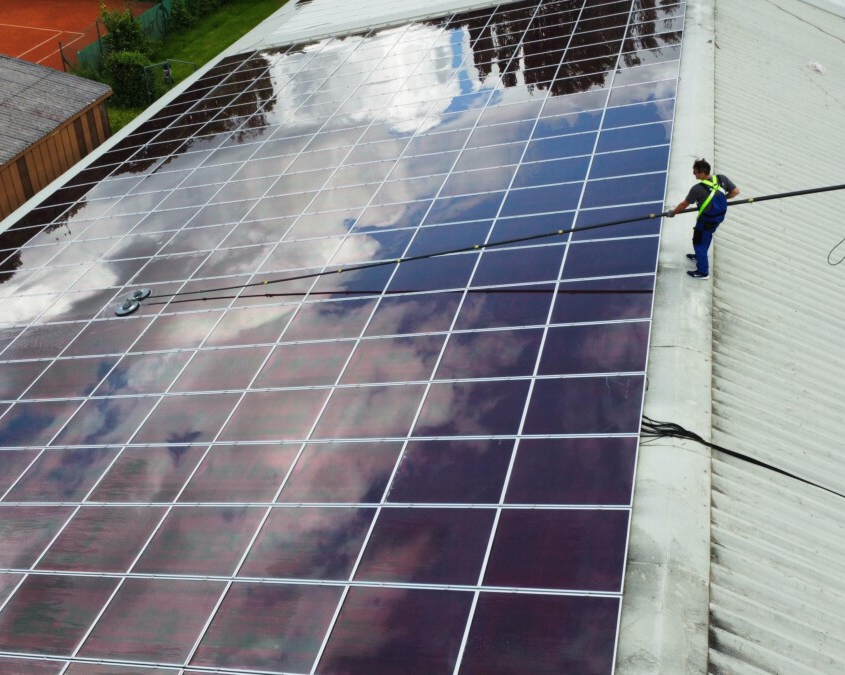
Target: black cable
x=479, y=247
x=654, y=429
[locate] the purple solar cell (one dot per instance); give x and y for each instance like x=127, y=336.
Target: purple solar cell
x=341, y=472
x=17, y=377
x=32, y=666
x=8, y=583
x=26, y=530
x=541, y=635
x=426, y=312
x=12, y=465
x=559, y=406
x=253, y=325
x=111, y=669
x=71, y=378
x=566, y=549
x=452, y=472
x=619, y=347
x=106, y=420
x=34, y=423
x=102, y=539
x=324, y=320
x=384, y=631
x=178, y=331
x=221, y=369
x=429, y=274
x=308, y=543
x=490, y=354
x=143, y=374
x=274, y=415
x=306, y=364
x=393, y=359
x=50, y=614
x=573, y=471
x=240, y=473
x=604, y=300
x=513, y=306
x=370, y=412
x=62, y=475
x=472, y=408
x=519, y=265
x=611, y=257
x=132, y=627
x=200, y=541
x=428, y=546
x=148, y=474
x=186, y=419
x=268, y=627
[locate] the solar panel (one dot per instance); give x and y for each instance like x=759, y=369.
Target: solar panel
x=421, y=466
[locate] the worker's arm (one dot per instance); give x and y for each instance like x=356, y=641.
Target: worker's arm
x=733, y=193
x=680, y=207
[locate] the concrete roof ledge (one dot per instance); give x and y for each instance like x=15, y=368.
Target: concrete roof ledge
x=664, y=627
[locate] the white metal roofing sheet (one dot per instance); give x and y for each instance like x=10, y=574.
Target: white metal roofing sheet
x=777, y=593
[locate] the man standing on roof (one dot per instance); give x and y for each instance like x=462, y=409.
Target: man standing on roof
x=710, y=194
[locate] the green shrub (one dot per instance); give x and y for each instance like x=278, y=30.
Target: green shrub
x=204, y=7
x=123, y=32
x=127, y=77
x=181, y=16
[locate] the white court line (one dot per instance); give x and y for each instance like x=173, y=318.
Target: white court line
x=55, y=33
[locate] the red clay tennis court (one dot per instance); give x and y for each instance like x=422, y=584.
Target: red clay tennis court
x=32, y=29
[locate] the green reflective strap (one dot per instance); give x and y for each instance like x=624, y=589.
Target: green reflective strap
x=713, y=187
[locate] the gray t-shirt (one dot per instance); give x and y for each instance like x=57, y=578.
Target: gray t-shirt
x=698, y=192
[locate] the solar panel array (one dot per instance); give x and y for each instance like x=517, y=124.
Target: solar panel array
x=423, y=467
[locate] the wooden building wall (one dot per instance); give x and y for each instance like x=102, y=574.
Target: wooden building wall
x=31, y=171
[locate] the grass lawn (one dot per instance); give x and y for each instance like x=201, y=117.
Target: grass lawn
x=202, y=42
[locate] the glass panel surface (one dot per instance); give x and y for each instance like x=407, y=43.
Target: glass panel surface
x=568, y=549
x=240, y=473
x=50, y=614
x=62, y=475
x=452, y=471
x=132, y=628
x=550, y=632
x=264, y=627
x=431, y=546
x=200, y=541
x=308, y=543
x=573, y=471
x=102, y=539
x=390, y=630
x=341, y=472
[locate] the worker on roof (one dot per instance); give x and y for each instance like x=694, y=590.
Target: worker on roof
x=710, y=194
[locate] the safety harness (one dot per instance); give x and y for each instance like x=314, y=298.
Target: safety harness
x=719, y=208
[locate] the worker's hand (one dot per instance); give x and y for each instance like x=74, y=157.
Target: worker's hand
x=669, y=214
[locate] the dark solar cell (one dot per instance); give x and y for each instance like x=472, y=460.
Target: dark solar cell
x=554, y=408
x=67, y=604
x=309, y=543
x=102, y=539
x=426, y=546
x=131, y=627
x=341, y=472
x=148, y=474
x=523, y=554
x=451, y=408
x=514, y=632
x=411, y=631
x=275, y=628
x=573, y=471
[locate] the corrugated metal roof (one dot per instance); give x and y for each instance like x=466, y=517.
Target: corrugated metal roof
x=35, y=100
x=777, y=590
